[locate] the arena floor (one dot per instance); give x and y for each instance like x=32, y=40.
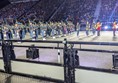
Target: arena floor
x=89, y=59
x=8, y=78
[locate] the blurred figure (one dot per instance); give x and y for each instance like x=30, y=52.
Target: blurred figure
x=78, y=28
x=114, y=27
x=1, y=33
x=87, y=28
x=93, y=28
x=9, y=34
x=98, y=27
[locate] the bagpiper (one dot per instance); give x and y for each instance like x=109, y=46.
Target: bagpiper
x=87, y=28
x=93, y=28
x=78, y=28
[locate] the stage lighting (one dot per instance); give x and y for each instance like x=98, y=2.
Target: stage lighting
x=117, y=26
x=106, y=27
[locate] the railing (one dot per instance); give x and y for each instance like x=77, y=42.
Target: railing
x=1, y=65
x=54, y=71
x=59, y=45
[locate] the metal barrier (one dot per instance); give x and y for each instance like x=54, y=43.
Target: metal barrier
x=54, y=71
x=94, y=75
x=1, y=64
x=59, y=45
x=42, y=70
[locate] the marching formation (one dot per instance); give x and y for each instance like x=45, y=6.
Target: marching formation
x=90, y=27
x=96, y=26
x=49, y=29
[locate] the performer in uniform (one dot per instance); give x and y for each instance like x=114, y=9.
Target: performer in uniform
x=9, y=34
x=93, y=28
x=16, y=35
x=36, y=30
x=31, y=29
x=48, y=31
x=43, y=28
x=58, y=29
x=52, y=25
x=114, y=28
x=78, y=28
x=63, y=28
x=87, y=28
x=1, y=33
x=20, y=33
x=23, y=30
x=98, y=27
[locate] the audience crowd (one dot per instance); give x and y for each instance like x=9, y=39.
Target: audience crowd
x=72, y=10
x=108, y=10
